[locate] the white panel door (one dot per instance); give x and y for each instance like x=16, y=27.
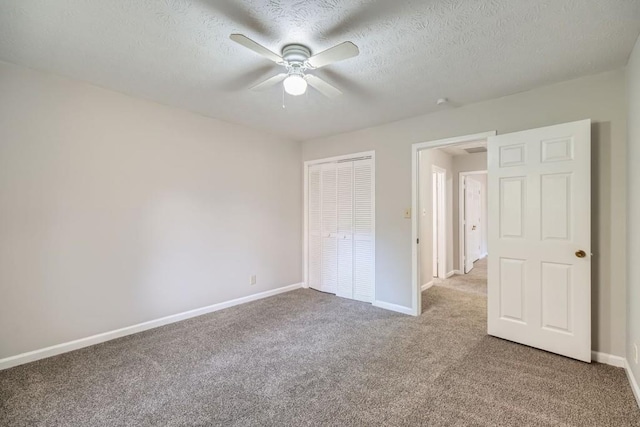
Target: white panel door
x=329, y=224
x=472, y=214
x=363, y=230
x=539, y=289
x=345, y=229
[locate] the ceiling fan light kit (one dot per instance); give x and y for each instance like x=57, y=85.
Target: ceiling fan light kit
x=295, y=84
x=297, y=59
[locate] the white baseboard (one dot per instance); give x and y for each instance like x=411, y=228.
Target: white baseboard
x=618, y=362
x=32, y=356
x=633, y=382
x=608, y=359
x=393, y=307
x=451, y=273
x=426, y=286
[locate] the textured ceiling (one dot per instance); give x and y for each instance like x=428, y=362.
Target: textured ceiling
x=178, y=52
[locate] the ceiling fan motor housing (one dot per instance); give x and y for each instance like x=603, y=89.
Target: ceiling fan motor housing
x=296, y=54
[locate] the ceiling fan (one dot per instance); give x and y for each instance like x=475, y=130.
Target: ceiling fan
x=297, y=59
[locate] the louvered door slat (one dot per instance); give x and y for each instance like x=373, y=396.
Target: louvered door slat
x=329, y=224
x=363, y=230
x=345, y=229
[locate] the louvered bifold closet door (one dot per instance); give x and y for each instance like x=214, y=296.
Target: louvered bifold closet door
x=315, y=228
x=345, y=229
x=329, y=223
x=363, y=230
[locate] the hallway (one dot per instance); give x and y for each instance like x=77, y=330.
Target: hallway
x=475, y=282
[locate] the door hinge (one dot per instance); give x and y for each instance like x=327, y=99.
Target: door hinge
x=417, y=241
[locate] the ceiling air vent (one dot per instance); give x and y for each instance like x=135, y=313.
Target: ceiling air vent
x=476, y=150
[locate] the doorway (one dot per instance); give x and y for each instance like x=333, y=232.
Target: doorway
x=417, y=149
x=473, y=215
x=438, y=167
x=339, y=226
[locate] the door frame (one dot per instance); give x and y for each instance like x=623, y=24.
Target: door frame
x=416, y=300
x=442, y=222
x=305, y=235
x=462, y=232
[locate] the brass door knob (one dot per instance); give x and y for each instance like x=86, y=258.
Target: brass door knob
x=581, y=254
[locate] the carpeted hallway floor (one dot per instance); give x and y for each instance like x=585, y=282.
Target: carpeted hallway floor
x=475, y=281
x=307, y=358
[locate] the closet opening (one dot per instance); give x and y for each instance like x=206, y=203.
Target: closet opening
x=339, y=226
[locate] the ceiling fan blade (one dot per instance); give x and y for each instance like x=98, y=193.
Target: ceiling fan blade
x=337, y=53
x=357, y=89
x=321, y=86
x=243, y=80
x=240, y=14
x=270, y=82
x=256, y=47
x=368, y=13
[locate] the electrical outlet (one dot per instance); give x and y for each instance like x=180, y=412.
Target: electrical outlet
x=252, y=279
x=635, y=357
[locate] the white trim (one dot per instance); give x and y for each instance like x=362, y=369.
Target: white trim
x=608, y=359
x=442, y=220
x=305, y=208
x=426, y=286
x=334, y=159
x=451, y=273
x=453, y=141
x=393, y=307
x=632, y=381
x=305, y=229
x=53, y=350
x=462, y=232
x=619, y=362
x=416, y=298
x=373, y=220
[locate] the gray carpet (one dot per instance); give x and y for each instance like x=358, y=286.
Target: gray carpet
x=475, y=281
x=307, y=358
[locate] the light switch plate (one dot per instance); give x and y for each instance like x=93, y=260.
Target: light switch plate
x=252, y=279
x=407, y=213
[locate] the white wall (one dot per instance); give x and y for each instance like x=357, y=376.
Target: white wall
x=428, y=159
x=600, y=97
x=116, y=211
x=465, y=163
x=633, y=214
